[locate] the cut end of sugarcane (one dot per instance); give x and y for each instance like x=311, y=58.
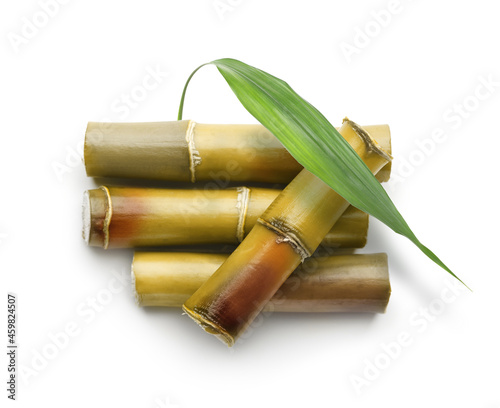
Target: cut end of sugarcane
x=96, y=217
x=370, y=142
x=210, y=327
x=86, y=217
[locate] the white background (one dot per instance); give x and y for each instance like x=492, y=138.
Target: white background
x=415, y=73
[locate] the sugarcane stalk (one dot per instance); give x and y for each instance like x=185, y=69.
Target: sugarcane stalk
x=189, y=151
x=289, y=231
x=124, y=217
x=340, y=283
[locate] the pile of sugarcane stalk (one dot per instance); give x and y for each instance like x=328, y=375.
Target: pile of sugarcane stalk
x=217, y=195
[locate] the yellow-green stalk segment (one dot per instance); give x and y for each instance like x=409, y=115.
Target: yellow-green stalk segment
x=124, y=217
x=289, y=231
x=340, y=283
x=189, y=151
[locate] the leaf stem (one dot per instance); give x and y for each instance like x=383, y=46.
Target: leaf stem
x=181, y=106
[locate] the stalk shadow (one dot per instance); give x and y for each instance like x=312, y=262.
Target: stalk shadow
x=189, y=334
x=272, y=329
x=267, y=330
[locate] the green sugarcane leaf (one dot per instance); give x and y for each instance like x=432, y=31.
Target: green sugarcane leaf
x=313, y=142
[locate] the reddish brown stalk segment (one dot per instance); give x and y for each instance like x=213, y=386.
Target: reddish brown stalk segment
x=289, y=231
x=124, y=217
x=261, y=260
